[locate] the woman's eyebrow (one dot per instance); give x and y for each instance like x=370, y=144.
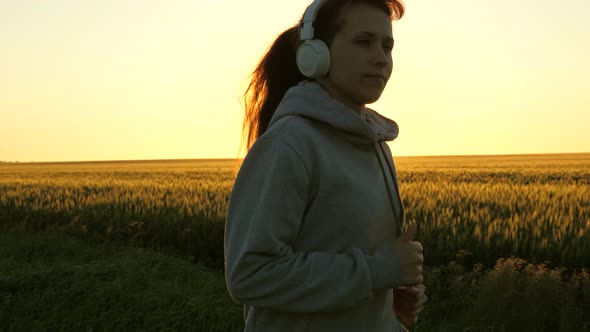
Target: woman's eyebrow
x=373, y=35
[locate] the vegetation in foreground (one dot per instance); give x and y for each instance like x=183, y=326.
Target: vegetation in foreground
x=93, y=275
x=52, y=282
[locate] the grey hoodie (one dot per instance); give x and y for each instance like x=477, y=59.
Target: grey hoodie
x=311, y=218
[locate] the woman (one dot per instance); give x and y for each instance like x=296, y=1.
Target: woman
x=314, y=236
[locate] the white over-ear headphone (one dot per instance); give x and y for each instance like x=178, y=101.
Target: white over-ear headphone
x=313, y=56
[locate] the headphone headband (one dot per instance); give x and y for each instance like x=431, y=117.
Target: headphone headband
x=307, y=31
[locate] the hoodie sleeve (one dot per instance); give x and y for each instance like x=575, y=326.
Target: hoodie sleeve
x=265, y=212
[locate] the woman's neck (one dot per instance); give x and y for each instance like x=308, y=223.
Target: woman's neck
x=334, y=93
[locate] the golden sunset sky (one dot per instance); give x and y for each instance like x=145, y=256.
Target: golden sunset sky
x=128, y=79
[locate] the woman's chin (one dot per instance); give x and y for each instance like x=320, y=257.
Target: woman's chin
x=372, y=97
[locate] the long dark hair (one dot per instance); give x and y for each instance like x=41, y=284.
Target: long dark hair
x=277, y=70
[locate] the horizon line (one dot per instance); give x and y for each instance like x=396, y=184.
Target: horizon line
x=227, y=159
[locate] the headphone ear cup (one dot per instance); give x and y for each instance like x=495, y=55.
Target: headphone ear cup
x=313, y=58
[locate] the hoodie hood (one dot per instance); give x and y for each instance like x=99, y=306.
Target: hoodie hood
x=308, y=99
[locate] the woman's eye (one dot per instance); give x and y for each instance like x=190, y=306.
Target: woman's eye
x=363, y=42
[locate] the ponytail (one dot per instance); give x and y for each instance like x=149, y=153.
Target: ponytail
x=273, y=76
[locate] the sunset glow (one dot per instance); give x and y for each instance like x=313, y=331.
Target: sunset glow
x=130, y=79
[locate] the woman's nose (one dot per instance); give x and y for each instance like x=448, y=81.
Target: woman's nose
x=380, y=55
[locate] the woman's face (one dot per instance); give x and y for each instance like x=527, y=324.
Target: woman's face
x=360, y=56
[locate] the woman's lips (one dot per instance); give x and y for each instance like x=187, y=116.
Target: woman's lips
x=375, y=78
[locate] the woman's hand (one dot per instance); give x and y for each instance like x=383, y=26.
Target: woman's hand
x=410, y=254
x=408, y=303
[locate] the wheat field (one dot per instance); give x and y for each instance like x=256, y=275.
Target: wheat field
x=536, y=207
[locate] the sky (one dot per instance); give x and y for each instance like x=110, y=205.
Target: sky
x=146, y=79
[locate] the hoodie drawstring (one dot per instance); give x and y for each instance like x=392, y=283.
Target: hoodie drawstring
x=391, y=184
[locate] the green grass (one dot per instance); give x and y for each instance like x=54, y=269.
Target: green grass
x=51, y=282
x=513, y=296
